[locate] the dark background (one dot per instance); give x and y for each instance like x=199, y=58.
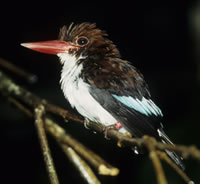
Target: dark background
x=159, y=38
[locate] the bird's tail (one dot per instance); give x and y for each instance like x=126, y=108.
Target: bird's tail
x=174, y=156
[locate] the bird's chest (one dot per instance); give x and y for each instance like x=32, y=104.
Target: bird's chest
x=77, y=92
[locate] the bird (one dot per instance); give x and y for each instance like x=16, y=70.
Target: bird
x=103, y=87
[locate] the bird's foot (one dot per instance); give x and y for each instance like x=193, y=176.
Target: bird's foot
x=115, y=126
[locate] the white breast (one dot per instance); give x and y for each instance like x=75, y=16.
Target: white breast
x=77, y=92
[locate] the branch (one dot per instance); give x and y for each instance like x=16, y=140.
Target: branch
x=29, y=77
x=163, y=156
x=64, y=139
x=184, y=151
x=155, y=160
x=62, y=136
x=39, y=123
x=80, y=164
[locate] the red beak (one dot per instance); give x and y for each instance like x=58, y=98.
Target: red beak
x=51, y=47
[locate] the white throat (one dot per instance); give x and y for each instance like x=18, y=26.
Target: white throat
x=71, y=70
x=69, y=75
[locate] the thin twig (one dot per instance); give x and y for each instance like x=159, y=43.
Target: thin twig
x=185, y=151
x=8, y=87
x=62, y=112
x=44, y=145
x=161, y=179
x=81, y=165
x=31, y=78
x=85, y=171
x=60, y=134
x=20, y=106
x=163, y=156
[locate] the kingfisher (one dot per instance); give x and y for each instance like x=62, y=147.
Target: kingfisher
x=102, y=86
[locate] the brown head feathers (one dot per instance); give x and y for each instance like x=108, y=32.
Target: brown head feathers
x=98, y=43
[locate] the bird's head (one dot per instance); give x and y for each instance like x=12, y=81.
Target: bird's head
x=82, y=40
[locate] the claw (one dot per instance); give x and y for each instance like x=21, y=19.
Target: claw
x=128, y=134
x=106, y=131
x=86, y=121
x=115, y=126
x=119, y=144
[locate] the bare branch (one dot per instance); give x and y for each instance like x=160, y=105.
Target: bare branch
x=62, y=112
x=20, y=106
x=86, y=172
x=39, y=111
x=65, y=139
x=185, y=151
x=161, y=179
x=60, y=134
x=163, y=156
x=31, y=78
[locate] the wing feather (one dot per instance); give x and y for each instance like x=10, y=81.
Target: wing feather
x=121, y=90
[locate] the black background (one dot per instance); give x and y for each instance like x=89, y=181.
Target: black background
x=155, y=36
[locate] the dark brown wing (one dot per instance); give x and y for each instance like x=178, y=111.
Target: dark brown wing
x=122, y=91
x=115, y=74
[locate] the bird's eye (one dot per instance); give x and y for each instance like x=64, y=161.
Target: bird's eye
x=82, y=41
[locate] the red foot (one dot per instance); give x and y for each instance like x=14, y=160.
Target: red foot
x=118, y=125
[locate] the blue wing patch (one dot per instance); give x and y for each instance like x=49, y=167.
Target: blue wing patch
x=144, y=106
